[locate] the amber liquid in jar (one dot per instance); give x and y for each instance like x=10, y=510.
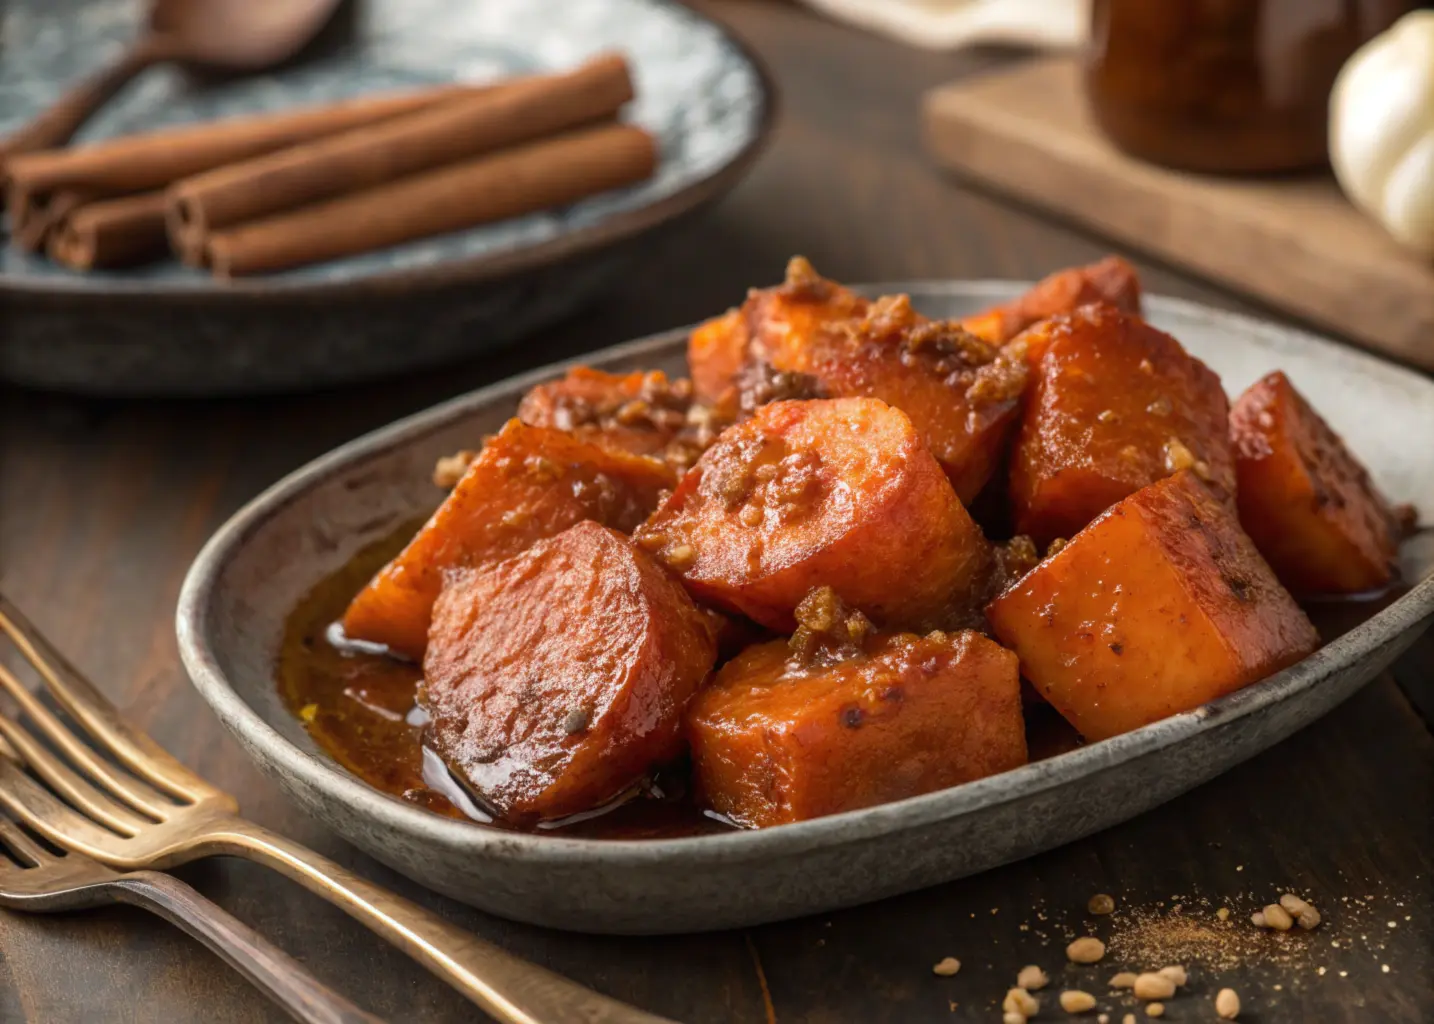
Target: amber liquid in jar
x=1233, y=86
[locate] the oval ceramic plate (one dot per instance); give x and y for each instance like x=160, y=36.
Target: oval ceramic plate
x=167, y=328
x=255, y=569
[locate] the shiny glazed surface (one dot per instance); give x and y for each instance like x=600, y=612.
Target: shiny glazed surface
x=556, y=678
x=839, y=491
x=775, y=741
x=1115, y=405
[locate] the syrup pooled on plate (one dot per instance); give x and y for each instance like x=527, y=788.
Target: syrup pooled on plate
x=359, y=706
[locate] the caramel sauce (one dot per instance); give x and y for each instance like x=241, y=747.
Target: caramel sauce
x=360, y=707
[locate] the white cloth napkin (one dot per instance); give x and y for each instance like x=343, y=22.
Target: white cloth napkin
x=952, y=24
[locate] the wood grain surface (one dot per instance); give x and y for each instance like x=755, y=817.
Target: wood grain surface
x=1296, y=242
x=105, y=503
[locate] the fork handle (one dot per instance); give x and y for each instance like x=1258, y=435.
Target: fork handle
x=510, y=989
x=281, y=977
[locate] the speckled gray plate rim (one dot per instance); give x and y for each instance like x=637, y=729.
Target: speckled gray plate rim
x=195, y=643
x=701, y=91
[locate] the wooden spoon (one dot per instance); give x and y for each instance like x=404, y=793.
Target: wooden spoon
x=224, y=35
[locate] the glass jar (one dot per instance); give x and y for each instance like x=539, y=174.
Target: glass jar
x=1231, y=86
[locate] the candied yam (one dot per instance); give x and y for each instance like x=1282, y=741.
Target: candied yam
x=776, y=742
x=526, y=484
x=716, y=350
x=638, y=412
x=773, y=326
x=1116, y=404
x=558, y=678
x=1157, y=607
x=961, y=394
x=1031, y=344
x=830, y=492
x=1304, y=499
x=1112, y=280
x=782, y=320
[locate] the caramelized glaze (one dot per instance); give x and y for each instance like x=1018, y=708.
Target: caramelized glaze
x=359, y=707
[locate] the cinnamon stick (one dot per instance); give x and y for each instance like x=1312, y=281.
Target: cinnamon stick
x=137, y=163
x=111, y=233
x=31, y=227
x=373, y=154
x=534, y=176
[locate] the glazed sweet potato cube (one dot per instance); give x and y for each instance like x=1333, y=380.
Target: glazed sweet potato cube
x=636, y=412
x=773, y=326
x=716, y=350
x=1112, y=281
x=556, y=679
x=1116, y=404
x=526, y=484
x=836, y=492
x=1157, y=607
x=1034, y=340
x=774, y=742
x=1308, y=503
x=962, y=395
x=784, y=319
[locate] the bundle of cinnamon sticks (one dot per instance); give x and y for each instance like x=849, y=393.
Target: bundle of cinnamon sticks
x=265, y=193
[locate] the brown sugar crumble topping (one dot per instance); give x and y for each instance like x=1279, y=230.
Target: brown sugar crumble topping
x=828, y=630
x=991, y=377
x=803, y=282
x=450, y=468
x=759, y=383
x=660, y=405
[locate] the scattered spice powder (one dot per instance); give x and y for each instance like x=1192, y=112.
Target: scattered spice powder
x=1193, y=930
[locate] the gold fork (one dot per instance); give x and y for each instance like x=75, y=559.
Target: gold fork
x=158, y=814
x=36, y=880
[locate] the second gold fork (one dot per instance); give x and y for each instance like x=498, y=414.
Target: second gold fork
x=159, y=814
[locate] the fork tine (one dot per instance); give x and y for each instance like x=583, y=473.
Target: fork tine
x=33, y=805
x=22, y=846
x=69, y=785
x=131, y=790
x=97, y=715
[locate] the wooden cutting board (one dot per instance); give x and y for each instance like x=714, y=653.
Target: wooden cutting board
x=1295, y=243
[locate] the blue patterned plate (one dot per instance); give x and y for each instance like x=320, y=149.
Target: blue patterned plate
x=167, y=328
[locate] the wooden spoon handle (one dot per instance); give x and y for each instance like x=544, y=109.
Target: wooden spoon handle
x=54, y=126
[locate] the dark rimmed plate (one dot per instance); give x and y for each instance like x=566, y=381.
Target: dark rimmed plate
x=254, y=571
x=168, y=329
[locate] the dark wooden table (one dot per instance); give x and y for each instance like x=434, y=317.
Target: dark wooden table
x=105, y=503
